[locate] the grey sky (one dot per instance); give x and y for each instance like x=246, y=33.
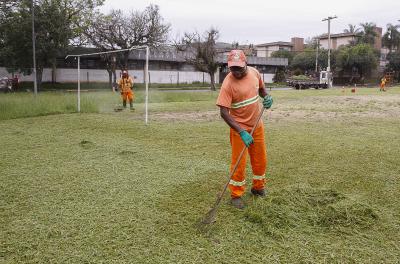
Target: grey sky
x=260, y=21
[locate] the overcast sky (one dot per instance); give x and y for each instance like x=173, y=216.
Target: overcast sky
x=261, y=21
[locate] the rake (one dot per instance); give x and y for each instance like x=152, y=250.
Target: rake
x=209, y=218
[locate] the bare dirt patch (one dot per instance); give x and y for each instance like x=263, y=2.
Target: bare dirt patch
x=309, y=108
x=187, y=116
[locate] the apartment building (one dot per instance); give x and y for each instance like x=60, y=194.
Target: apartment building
x=265, y=50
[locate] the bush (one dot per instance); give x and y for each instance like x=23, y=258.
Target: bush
x=279, y=76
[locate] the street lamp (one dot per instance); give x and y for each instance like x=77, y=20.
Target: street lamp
x=34, y=48
x=329, y=49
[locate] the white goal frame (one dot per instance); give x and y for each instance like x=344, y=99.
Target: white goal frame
x=146, y=77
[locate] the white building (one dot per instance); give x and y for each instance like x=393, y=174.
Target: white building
x=265, y=50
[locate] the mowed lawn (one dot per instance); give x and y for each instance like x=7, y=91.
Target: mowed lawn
x=103, y=187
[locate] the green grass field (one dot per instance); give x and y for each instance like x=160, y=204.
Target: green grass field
x=102, y=187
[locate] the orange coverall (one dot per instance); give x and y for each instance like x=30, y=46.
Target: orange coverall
x=125, y=84
x=242, y=99
x=383, y=83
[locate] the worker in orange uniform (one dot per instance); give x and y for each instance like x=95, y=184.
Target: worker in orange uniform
x=125, y=85
x=383, y=84
x=239, y=107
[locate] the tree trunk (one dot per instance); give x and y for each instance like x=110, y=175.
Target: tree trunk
x=114, y=79
x=39, y=76
x=126, y=59
x=53, y=72
x=114, y=76
x=212, y=80
x=110, y=83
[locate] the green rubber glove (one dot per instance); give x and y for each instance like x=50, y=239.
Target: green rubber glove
x=267, y=102
x=246, y=137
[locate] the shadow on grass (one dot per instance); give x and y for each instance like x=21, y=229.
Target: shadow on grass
x=86, y=144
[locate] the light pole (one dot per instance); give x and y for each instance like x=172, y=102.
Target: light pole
x=34, y=49
x=329, y=49
x=316, y=56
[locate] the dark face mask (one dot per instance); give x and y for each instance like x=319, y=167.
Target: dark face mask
x=238, y=72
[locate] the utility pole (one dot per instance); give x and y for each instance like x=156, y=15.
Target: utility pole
x=329, y=49
x=34, y=49
x=316, y=56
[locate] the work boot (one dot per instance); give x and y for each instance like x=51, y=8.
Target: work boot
x=124, y=104
x=260, y=193
x=237, y=202
x=131, y=106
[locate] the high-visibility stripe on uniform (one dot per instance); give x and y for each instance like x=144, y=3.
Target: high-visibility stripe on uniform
x=236, y=183
x=255, y=177
x=245, y=102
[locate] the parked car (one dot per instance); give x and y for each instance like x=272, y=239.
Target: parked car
x=5, y=85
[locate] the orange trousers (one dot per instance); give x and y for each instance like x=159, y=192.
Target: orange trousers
x=127, y=95
x=258, y=159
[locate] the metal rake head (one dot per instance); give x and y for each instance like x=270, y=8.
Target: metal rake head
x=210, y=217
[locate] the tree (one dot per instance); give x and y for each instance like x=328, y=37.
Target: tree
x=118, y=30
x=352, y=29
x=55, y=28
x=394, y=63
x=283, y=54
x=202, y=52
x=391, y=39
x=363, y=58
x=312, y=43
x=368, y=34
x=305, y=60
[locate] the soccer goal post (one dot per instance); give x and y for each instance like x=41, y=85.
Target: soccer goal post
x=146, y=73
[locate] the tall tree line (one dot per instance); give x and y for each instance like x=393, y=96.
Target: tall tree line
x=56, y=29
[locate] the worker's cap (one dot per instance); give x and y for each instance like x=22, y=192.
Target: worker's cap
x=236, y=58
x=124, y=72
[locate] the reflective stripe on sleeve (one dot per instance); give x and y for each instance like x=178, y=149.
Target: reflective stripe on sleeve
x=236, y=183
x=245, y=102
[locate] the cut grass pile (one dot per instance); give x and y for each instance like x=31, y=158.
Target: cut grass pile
x=312, y=208
x=103, y=187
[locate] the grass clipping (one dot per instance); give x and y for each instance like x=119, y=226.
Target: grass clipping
x=309, y=208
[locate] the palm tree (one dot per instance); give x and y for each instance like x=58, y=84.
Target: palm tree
x=368, y=33
x=352, y=29
x=391, y=38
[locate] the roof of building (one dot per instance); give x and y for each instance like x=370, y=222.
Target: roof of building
x=277, y=43
x=168, y=53
x=339, y=35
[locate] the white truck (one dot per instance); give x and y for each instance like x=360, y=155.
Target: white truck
x=305, y=82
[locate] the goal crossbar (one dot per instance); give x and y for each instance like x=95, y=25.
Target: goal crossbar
x=146, y=79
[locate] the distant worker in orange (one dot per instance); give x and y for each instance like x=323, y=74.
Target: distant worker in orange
x=125, y=85
x=239, y=103
x=383, y=84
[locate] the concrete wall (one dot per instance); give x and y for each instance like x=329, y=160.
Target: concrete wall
x=335, y=42
x=298, y=44
x=70, y=75
x=267, y=51
x=91, y=75
x=261, y=52
x=378, y=38
x=267, y=77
